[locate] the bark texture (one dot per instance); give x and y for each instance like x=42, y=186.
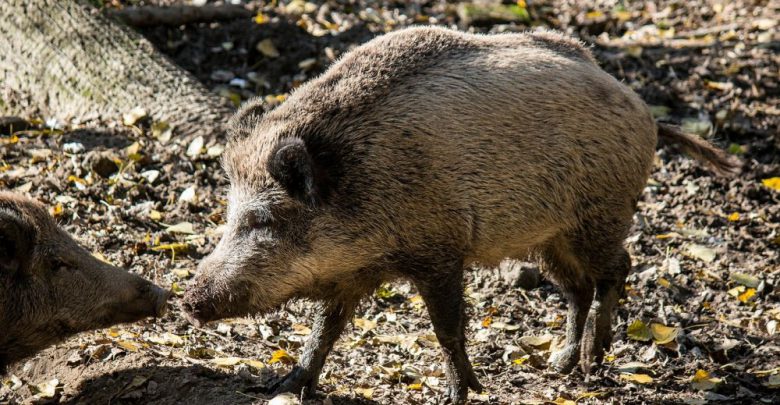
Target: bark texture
x=62, y=58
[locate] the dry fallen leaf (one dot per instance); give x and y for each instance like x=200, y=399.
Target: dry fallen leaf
x=282, y=356
x=182, y=227
x=366, y=393
x=364, y=324
x=700, y=252
x=166, y=339
x=772, y=182
x=637, y=378
x=747, y=295
x=47, y=389
x=638, y=330
x=267, y=48
x=703, y=381
x=226, y=361
x=663, y=334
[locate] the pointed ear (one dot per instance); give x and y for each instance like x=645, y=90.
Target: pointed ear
x=291, y=165
x=15, y=241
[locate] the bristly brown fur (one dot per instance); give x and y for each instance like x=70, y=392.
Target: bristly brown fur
x=430, y=150
x=698, y=148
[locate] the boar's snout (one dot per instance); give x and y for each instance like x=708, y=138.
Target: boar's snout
x=138, y=299
x=211, y=298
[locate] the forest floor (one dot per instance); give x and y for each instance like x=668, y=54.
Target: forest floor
x=699, y=323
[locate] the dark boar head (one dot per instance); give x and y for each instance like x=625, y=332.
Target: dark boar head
x=51, y=287
x=284, y=237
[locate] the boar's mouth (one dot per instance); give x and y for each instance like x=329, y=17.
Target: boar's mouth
x=201, y=306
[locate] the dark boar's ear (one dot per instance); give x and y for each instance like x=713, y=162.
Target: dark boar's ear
x=15, y=241
x=292, y=166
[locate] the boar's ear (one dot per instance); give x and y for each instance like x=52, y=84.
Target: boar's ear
x=15, y=241
x=291, y=165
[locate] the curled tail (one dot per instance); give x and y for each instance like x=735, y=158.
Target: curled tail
x=698, y=148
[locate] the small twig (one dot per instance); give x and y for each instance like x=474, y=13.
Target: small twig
x=177, y=15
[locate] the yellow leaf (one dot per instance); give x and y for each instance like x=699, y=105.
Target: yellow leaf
x=282, y=356
x=663, y=334
x=703, y=381
x=563, y=401
x=772, y=182
x=592, y=394
x=622, y=15
x=113, y=332
x=745, y=296
x=415, y=387
x=57, y=210
x=181, y=273
x=384, y=292
x=594, y=15
x=367, y=393
x=175, y=247
x=176, y=289
x=664, y=282
x=520, y=360
x=155, y=215
x=226, y=361
x=256, y=364
x=639, y=331
x=261, y=18
x=128, y=345
x=637, y=378
x=487, y=321
x=734, y=216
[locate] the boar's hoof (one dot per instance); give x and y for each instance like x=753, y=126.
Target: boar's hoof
x=564, y=360
x=299, y=382
x=458, y=390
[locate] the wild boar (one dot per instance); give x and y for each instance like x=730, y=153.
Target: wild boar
x=423, y=152
x=52, y=288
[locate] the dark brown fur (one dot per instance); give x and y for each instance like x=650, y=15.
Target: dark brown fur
x=51, y=288
x=417, y=155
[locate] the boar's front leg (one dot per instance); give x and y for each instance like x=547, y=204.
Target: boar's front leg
x=441, y=287
x=329, y=322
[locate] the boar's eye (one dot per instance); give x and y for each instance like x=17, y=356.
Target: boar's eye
x=256, y=221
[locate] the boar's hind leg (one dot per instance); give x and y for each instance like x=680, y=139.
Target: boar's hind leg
x=568, y=272
x=442, y=290
x=329, y=322
x=609, y=289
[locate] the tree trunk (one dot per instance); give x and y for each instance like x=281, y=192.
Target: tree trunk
x=61, y=58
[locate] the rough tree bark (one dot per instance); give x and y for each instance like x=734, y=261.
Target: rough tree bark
x=62, y=58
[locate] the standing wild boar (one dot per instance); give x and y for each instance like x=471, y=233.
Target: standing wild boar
x=51, y=288
x=418, y=154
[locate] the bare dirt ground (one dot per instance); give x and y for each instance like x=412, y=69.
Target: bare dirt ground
x=700, y=319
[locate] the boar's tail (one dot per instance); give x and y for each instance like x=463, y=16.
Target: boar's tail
x=698, y=148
